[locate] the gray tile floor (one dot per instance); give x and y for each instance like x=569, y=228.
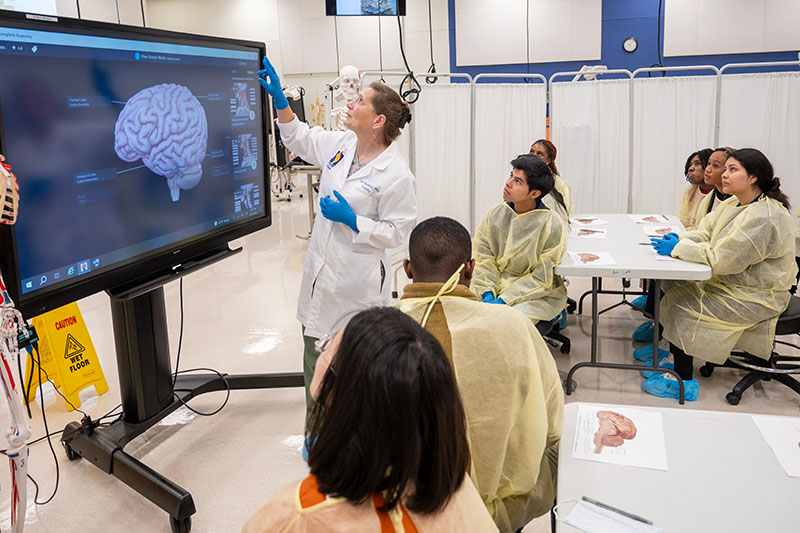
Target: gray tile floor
x=239, y=318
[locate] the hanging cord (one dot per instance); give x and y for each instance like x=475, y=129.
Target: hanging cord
x=528, y=41
x=78, y=5
x=380, y=44
x=411, y=94
x=144, y=22
x=432, y=69
x=658, y=42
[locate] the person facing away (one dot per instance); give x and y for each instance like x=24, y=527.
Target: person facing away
x=520, y=242
x=505, y=373
x=697, y=190
x=390, y=450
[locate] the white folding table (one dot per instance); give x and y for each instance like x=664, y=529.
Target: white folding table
x=722, y=476
x=629, y=246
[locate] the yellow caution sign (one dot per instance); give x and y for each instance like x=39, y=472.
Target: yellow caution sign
x=67, y=353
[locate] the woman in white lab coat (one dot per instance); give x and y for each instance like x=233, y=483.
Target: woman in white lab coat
x=368, y=206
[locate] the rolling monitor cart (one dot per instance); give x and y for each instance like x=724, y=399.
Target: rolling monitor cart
x=165, y=163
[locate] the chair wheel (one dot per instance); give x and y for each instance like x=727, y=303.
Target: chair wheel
x=571, y=306
x=565, y=348
x=180, y=526
x=732, y=398
x=706, y=371
x=71, y=455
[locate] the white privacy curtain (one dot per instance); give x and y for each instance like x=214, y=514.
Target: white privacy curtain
x=763, y=111
x=590, y=128
x=441, y=119
x=509, y=117
x=672, y=118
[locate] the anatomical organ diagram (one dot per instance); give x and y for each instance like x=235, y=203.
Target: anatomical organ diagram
x=166, y=127
x=614, y=430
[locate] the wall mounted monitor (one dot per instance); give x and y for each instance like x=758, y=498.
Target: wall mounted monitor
x=365, y=7
x=135, y=150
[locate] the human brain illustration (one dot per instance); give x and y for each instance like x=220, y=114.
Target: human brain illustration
x=614, y=430
x=166, y=127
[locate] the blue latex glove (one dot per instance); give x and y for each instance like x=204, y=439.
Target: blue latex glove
x=338, y=211
x=497, y=301
x=487, y=296
x=273, y=86
x=666, y=244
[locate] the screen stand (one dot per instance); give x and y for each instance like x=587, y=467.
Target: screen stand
x=148, y=395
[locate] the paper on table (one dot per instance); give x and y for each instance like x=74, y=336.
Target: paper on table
x=591, y=258
x=586, y=233
x=660, y=231
x=649, y=219
x=621, y=436
x=782, y=433
x=588, y=221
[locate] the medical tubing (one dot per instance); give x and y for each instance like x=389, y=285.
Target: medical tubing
x=411, y=95
x=432, y=69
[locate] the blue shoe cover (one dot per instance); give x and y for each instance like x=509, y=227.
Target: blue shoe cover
x=666, y=386
x=651, y=373
x=644, y=333
x=645, y=354
x=640, y=303
x=562, y=319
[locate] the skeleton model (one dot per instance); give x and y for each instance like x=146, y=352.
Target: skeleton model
x=349, y=83
x=11, y=322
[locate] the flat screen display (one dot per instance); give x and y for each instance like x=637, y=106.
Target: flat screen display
x=125, y=145
x=365, y=7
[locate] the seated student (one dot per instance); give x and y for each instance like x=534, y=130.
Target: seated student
x=519, y=243
x=546, y=151
x=713, y=176
x=391, y=450
x=748, y=242
x=505, y=374
x=694, y=171
x=698, y=189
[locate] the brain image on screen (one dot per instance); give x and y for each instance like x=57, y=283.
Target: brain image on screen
x=166, y=127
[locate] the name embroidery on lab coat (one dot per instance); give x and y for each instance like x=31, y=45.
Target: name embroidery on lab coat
x=368, y=188
x=335, y=159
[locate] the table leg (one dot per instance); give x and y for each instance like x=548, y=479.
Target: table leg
x=637, y=368
x=310, y=178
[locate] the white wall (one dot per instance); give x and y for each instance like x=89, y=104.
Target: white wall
x=699, y=27
x=497, y=32
x=130, y=11
x=301, y=40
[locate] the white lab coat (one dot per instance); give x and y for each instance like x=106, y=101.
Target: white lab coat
x=342, y=271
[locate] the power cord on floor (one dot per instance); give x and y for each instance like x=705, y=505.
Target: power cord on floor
x=177, y=366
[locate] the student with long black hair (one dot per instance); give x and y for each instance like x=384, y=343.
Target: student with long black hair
x=390, y=439
x=748, y=241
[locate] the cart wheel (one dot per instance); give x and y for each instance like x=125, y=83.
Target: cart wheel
x=180, y=525
x=732, y=398
x=71, y=455
x=706, y=371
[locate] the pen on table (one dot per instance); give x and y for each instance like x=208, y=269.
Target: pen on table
x=665, y=217
x=645, y=243
x=618, y=511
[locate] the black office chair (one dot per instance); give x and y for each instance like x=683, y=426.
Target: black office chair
x=551, y=332
x=779, y=367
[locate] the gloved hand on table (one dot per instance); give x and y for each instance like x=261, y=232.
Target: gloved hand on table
x=270, y=81
x=487, y=296
x=338, y=211
x=666, y=244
